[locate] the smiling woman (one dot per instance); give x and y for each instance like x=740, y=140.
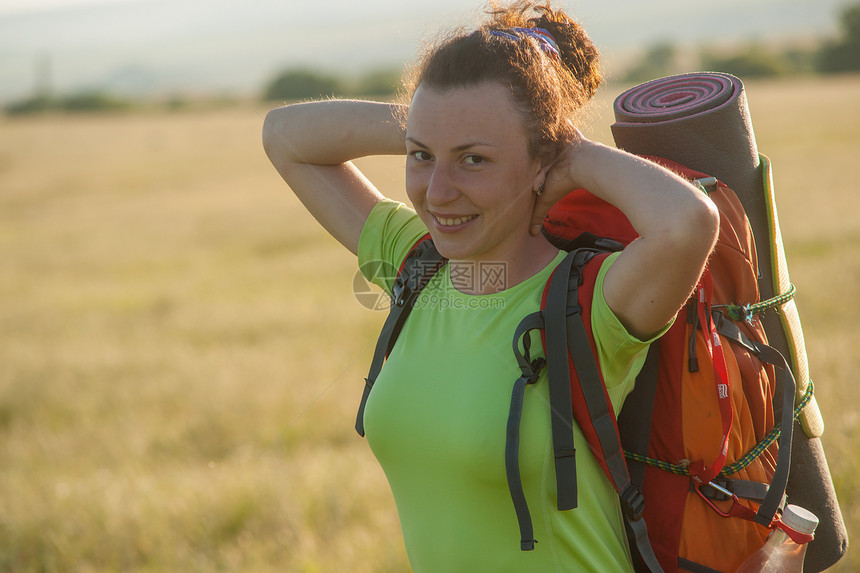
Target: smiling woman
x=491, y=145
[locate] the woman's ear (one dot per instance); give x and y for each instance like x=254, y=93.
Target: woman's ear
x=540, y=178
x=547, y=161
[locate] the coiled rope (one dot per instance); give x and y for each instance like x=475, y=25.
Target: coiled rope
x=738, y=312
x=744, y=461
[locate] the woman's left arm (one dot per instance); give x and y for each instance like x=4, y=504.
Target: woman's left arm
x=677, y=224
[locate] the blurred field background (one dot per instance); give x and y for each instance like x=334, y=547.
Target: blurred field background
x=181, y=353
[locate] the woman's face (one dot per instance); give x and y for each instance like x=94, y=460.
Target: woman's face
x=469, y=174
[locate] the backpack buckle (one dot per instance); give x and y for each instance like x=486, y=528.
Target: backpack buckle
x=720, y=490
x=532, y=374
x=706, y=184
x=632, y=502
x=604, y=243
x=400, y=292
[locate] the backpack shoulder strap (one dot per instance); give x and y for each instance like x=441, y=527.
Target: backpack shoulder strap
x=576, y=391
x=419, y=266
x=574, y=376
x=552, y=322
x=634, y=419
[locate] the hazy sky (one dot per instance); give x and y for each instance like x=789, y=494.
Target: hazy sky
x=160, y=46
x=10, y=6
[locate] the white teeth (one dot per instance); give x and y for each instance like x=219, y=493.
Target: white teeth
x=452, y=222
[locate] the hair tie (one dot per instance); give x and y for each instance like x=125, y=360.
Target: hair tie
x=545, y=40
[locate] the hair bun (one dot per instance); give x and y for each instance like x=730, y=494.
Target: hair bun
x=578, y=53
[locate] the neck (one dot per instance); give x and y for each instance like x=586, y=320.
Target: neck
x=489, y=275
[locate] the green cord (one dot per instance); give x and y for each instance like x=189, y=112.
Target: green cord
x=747, y=459
x=738, y=312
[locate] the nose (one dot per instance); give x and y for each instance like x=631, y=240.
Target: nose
x=441, y=188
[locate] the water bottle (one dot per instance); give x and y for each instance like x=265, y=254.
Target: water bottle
x=781, y=554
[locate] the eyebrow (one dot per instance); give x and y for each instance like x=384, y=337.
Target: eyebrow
x=458, y=148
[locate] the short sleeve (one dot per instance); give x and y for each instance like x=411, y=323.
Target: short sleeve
x=390, y=232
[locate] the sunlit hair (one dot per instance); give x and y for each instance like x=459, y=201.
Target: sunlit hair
x=549, y=92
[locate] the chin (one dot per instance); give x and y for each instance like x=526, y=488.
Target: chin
x=451, y=249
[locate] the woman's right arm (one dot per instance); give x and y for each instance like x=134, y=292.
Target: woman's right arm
x=311, y=145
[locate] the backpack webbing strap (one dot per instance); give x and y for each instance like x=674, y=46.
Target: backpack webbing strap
x=530, y=373
x=638, y=532
x=418, y=268
x=725, y=488
x=634, y=426
x=566, y=333
x=512, y=465
x=785, y=385
x=694, y=567
x=561, y=404
x=634, y=421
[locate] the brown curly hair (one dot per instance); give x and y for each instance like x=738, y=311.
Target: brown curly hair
x=548, y=91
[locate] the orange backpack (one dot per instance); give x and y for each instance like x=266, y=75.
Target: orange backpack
x=698, y=431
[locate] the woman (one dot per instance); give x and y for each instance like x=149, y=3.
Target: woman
x=491, y=146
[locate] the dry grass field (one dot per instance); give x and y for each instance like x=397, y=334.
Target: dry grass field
x=181, y=353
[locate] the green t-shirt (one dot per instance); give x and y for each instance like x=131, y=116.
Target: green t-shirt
x=436, y=421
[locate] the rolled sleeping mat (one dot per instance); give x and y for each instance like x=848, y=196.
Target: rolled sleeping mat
x=702, y=120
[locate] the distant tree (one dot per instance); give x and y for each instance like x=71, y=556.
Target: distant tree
x=92, y=102
x=381, y=83
x=800, y=59
x=753, y=62
x=658, y=61
x=80, y=102
x=298, y=84
x=843, y=55
x=35, y=104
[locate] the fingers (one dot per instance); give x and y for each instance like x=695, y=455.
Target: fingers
x=558, y=183
x=541, y=208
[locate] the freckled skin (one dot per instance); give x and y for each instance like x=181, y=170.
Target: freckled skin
x=468, y=163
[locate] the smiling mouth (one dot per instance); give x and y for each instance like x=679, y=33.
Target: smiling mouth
x=453, y=221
